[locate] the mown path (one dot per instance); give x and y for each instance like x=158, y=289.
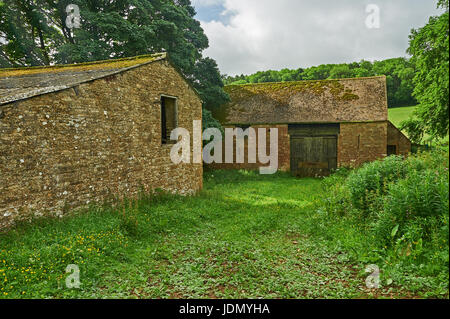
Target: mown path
x=245, y=241
x=244, y=236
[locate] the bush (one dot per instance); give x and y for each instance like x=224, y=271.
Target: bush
x=420, y=198
x=370, y=182
x=396, y=212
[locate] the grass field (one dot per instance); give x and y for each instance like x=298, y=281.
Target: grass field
x=244, y=236
x=400, y=114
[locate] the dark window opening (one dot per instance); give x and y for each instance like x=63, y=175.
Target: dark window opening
x=391, y=150
x=168, y=118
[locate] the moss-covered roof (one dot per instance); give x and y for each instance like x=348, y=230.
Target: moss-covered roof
x=358, y=99
x=21, y=83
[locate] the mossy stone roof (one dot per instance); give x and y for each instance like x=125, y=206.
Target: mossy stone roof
x=342, y=100
x=21, y=83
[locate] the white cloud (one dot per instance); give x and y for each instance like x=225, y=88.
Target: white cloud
x=267, y=34
x=205, y=3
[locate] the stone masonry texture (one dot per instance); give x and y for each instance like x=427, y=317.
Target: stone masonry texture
x=82, y=145
x=361, y=142
x=283, y=150
x=397, y=138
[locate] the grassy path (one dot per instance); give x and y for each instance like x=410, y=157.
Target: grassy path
x=243, y=237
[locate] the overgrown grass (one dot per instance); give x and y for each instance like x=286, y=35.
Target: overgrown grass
x=244, y=236
x=396, y=213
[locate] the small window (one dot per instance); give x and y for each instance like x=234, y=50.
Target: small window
x=168, y=118
x=391, y=150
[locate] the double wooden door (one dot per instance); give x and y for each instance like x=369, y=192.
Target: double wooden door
x=313, y=150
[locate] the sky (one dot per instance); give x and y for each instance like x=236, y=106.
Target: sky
x=246, y=36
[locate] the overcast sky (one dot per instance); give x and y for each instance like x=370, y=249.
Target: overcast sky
x=252, y=35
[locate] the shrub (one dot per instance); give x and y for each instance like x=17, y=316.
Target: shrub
x=370, y=182
x=420, y=198
x=397, y=213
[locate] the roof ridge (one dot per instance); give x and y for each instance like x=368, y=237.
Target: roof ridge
x=18, y=85
x=155, y=56
x=327, y=80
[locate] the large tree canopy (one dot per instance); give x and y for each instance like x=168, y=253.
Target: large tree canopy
x=34, y=32
x=429, y=47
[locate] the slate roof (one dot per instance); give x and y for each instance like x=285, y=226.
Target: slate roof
x=22, y=83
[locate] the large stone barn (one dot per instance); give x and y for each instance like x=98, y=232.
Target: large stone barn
x=78, y=134
x=322, y=125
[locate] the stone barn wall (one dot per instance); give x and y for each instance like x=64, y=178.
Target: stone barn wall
x=361, y=142
x=63, y=150
x=399, y=140
x=359, y=105
x=283, y=151
x=358, y=143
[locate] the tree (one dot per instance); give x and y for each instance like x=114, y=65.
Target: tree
x=26, y=37
x=399, y=73
x=429, y=47
x=341, y=71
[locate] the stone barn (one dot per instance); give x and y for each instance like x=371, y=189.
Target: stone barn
x=322, y=125
x=77, y=134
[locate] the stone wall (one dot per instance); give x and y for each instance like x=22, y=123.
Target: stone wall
x=397, y=138
x=358, y=143
x=361, y=142
x=283, y=151
x=81, y=145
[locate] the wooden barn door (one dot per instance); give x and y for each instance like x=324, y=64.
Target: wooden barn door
x=313, y=150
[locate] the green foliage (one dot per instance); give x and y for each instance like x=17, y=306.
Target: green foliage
x=27, y=37
x=129, y=223
x=429, y=47
x=399, y=114
x=209, y=83
x=208, y=121
x=400, y=211
x=370, y=182
x=399, y=75
x=418, y=200
x=414, y=129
